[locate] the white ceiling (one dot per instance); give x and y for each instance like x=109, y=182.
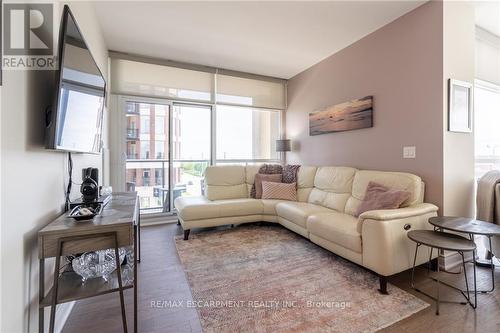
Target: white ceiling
x=488, y=16
x=278, y=39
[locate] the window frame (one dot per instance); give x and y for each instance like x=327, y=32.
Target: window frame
x=488, y=86
x=279, y=157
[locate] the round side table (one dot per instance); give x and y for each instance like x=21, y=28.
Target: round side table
x=444, y=241
x=471, y=227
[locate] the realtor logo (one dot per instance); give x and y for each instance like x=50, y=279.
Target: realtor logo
x=28, y=35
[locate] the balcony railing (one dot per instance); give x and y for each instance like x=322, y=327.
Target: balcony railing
x=155, y=194
x=132, y=134
x=132, y=156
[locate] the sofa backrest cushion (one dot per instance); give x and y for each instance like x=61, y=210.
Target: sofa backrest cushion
x=225, y=182
x=396, y=180
x=305, y=182
x=332, y=187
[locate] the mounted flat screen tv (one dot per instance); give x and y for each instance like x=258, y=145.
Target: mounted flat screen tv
x=74, y=122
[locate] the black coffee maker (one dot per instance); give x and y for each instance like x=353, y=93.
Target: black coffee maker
x=90, y=185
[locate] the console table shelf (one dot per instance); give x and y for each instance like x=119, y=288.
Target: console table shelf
x=118, y=225
x=71, y=287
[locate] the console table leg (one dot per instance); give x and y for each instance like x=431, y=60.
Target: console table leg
x=41, y=295
x=55, y=287
x=120, y=285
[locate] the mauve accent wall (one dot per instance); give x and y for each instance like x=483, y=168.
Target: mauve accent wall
x=401, y=66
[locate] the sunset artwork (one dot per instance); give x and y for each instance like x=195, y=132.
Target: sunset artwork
x=346, y=116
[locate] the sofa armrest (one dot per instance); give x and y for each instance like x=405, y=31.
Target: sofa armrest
x=387, y=250
x=399, y=213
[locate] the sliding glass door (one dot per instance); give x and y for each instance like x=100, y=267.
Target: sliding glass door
x=191, y=152
x=147, y=145
x=168, y=147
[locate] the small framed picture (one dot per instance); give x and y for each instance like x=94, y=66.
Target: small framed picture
x=459, y=106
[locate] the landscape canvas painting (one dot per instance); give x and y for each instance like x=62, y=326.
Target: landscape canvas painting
x=346, y=116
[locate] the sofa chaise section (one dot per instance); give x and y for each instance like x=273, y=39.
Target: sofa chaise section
x=226, y=201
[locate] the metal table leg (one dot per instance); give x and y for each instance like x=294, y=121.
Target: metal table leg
x=436, y=298
x=429, y=263
x=475, y=280
x=492, y=265
x=492, y=268
x=412, y=283
x=437, y=303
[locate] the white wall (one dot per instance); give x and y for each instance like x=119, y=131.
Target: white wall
x=459, y=63
x=32, y=178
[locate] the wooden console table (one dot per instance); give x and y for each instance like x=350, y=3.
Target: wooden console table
x=117, y=226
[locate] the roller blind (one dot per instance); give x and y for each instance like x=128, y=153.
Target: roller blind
x=130, y=77
x=250, y=92
x=144, y=79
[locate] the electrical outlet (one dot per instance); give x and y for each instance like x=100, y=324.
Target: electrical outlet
x=409, y=152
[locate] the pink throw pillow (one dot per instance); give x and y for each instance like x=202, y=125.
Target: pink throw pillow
x=282, y=191
x=378, y=196
x=261, y=177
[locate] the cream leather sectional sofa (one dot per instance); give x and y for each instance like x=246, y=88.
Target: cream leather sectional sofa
x=328, y=198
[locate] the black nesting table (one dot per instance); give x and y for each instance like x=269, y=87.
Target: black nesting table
x=471, y=227
x=444, y=241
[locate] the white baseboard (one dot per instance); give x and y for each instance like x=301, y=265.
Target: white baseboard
x=157, y=220
x=452, y=260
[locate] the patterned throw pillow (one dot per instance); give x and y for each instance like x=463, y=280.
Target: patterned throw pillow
x=290, y=173
x=266, y=169
x=259, y=178
x=271, y=169
x=281, y=191
x=378, y=196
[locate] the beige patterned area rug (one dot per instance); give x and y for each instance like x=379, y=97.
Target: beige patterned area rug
x=268, y=279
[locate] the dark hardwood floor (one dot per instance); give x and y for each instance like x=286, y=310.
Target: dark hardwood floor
x=161, y=278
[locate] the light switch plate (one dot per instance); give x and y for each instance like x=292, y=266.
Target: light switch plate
x=409, y=152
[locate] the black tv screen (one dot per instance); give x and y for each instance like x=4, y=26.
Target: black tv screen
x=75, y=120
